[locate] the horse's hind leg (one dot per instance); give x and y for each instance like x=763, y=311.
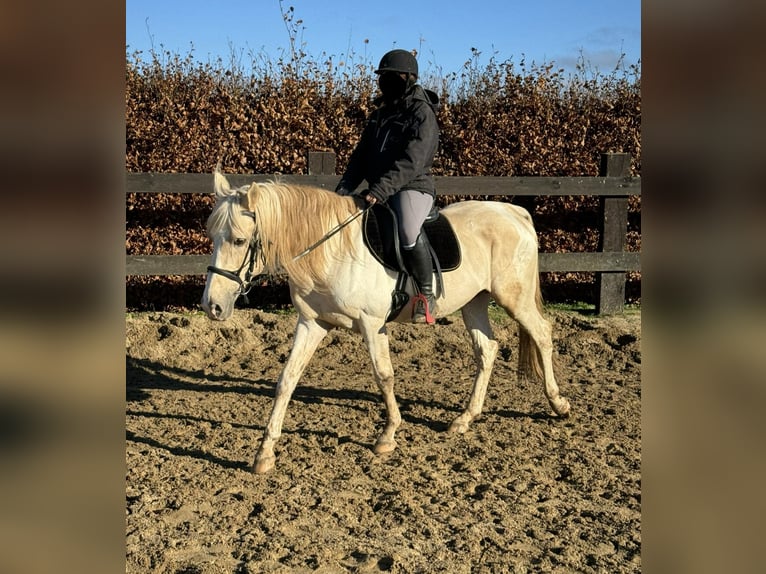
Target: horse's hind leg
x=308, y=334
x=485, y=347
x=536, y=346
x=376, y=337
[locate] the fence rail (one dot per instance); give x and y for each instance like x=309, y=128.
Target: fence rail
x=613, y=187
x=452, y=185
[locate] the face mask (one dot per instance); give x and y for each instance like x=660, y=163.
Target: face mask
x=392, y=86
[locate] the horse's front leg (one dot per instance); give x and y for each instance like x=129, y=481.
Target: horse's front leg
x=376, y=337
x=308, y=334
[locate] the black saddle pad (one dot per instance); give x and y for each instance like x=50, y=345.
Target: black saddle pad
x=378, y=226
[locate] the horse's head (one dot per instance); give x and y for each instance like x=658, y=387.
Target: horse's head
x=237, y=256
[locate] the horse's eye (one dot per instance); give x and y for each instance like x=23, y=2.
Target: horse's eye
x=239, y=242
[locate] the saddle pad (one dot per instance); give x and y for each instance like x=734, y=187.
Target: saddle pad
x=378, y=232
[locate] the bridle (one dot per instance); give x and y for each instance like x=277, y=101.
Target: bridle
x=254, y=250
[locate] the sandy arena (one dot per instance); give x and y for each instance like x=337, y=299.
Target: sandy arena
x=521, y=491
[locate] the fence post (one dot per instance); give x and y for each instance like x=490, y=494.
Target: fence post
x=613, y=236
x=321, y=163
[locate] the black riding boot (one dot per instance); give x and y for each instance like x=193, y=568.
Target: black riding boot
x=418, y=261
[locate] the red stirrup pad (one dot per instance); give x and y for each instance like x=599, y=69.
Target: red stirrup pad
x=420, y=297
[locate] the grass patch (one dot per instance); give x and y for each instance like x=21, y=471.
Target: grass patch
x=574, y=307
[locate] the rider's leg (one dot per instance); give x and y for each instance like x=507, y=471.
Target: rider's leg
x=418, y=260
x=412, y=208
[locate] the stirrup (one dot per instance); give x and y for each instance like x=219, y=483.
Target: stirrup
x=421, y=312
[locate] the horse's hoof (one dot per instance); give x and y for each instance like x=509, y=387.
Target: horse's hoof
x=561, y=407
x=383, y=447
x=264, y=465
x=458, y=426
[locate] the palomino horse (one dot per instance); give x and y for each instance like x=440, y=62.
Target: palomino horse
x=261, y=228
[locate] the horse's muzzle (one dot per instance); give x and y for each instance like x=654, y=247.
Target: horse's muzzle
x=216, y=311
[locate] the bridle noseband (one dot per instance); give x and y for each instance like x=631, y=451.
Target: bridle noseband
x=254, y=249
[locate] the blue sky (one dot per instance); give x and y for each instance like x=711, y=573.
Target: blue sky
x=443, y=32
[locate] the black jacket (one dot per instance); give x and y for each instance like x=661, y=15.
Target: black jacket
x=397, y=147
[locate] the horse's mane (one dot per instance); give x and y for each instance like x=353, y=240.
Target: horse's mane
x=290, y=218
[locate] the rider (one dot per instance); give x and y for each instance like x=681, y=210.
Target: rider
x=395, y=154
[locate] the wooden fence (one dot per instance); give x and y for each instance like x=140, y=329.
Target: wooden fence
x=613, y=186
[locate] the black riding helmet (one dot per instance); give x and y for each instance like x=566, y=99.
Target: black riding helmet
x=398, y=61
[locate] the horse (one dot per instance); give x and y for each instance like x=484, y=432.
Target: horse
x=260, y=229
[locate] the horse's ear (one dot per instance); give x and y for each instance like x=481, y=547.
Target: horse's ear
x=243, y=198
x=247, y=197
x=220, y=183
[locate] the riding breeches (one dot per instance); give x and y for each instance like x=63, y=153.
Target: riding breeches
x=411, y=208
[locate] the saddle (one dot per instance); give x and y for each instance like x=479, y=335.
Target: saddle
x=380, y=233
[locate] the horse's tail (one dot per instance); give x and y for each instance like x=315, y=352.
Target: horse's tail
x=530, y=362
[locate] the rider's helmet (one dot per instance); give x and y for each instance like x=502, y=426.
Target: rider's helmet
x=398, y=61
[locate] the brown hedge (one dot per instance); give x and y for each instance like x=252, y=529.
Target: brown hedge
x=496, y=119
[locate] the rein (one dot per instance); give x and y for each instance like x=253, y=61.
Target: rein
x=332, y=232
